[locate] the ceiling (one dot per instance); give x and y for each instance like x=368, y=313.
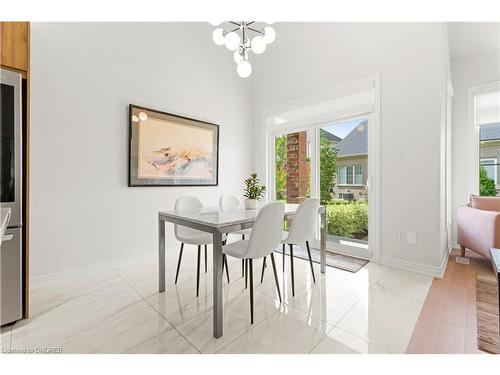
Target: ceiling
x=470, y=38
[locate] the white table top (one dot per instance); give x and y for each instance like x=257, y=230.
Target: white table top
x=5, y=217
x=214, y=217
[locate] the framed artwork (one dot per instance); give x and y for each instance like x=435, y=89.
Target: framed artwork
x=171, y=150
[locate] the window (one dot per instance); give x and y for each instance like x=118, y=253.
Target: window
x=485, y=117
x=350, y=175
x=346, y=196
x=490, y=164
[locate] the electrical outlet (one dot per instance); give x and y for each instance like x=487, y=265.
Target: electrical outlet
x=396, y=237
x=411, y=238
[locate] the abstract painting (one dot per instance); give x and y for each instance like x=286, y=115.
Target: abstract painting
x=171, y=150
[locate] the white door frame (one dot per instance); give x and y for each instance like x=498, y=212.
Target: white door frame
x=374, y=176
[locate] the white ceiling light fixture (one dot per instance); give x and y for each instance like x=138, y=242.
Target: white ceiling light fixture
x=242, y=37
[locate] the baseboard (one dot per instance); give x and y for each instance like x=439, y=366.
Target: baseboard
x=435, y=271
x=80, y=271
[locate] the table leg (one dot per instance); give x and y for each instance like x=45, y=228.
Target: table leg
x=217, y=284
x=161, y=255
x=322, y=216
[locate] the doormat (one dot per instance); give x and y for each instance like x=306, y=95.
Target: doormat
x=342, y=262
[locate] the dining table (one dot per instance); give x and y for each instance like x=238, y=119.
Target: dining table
x=218, y=222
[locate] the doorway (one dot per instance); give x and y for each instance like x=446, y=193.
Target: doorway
x=332, y=161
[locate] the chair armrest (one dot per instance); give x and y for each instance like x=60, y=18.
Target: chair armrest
x=478, y=230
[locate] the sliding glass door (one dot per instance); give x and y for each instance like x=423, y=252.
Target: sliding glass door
x=331, y=161
x=344, y=184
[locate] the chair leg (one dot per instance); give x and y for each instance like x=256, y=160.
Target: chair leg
x=179, y=262
x=263, y=268
x=198, y=272
x=276, y=276
x=246, y=273
x=224, y=264
x=310, y=260
x=205, y=258
x=291, y=270
x=462, y=251
x=251, y=290
x=244, y=265
x=283, y=257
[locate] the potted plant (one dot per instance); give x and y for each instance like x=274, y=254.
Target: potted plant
x=253, y=191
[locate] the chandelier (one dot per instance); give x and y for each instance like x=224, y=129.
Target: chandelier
x=242, y=37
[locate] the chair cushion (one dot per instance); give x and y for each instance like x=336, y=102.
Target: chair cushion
x=236, y=249
x=485, y=203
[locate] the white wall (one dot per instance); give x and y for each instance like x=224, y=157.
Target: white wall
x=466, y=72
x=83, y=78
x=307, y=58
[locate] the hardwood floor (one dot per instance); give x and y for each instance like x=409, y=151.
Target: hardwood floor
x=447, y=323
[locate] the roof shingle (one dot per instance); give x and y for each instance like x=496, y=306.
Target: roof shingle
x=489, y=132
x=356, y=142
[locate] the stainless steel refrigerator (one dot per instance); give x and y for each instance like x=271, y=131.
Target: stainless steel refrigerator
x=11, y=191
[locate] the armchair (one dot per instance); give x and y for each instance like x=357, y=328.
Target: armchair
x=478, y=225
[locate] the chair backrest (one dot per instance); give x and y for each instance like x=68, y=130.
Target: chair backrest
x=304, y=222
x=485, y=203
x=267, y=230
x=186, y=204
x=228, y=202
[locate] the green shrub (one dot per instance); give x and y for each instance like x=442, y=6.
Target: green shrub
x=486, y=184
x=347, y=219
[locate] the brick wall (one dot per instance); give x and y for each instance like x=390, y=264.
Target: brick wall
x=297, y=168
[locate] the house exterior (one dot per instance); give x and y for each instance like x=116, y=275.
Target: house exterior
x=489, y=136
x=352, y=165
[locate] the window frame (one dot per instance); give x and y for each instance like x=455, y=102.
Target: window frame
x=494, y=165
x=473, y=145
x=353, y=168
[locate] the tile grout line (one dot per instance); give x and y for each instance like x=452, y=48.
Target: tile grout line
x=367, y=341
x=175, y=328
x=248, y=330
x=336, y=325
x=320, y=341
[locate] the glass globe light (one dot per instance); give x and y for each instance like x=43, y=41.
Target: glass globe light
x=143, y=116
x=218, y=36
x=135, y=118
x=232, y=41
x=214, y=23
x=244, y=69
x=269, y=34
x=258, y=45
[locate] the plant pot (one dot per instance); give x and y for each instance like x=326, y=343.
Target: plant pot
x=251, y=204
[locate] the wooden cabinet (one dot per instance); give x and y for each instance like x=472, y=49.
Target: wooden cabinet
x=14, y=45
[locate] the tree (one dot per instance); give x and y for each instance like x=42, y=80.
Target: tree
x=280, y=167
x=486, y=184
x=328, y=166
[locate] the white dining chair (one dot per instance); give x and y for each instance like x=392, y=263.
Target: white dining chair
x=266, y=236
x=232, y=202
x=302, y=229
x=186, y=235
